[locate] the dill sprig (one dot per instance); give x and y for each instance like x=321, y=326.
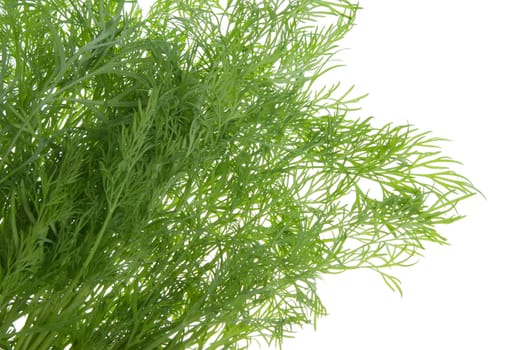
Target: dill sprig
x=176, y=180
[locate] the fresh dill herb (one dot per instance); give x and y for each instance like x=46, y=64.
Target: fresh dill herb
x=176, y=180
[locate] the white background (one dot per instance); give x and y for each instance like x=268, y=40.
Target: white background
x=453, y=67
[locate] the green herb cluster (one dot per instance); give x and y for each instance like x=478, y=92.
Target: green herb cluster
x=178, y=180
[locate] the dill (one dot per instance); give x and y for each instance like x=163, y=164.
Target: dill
x=176, y=181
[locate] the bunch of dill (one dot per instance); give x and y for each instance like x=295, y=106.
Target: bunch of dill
x=175, y=180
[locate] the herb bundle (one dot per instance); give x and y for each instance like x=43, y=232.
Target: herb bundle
x=177, y=181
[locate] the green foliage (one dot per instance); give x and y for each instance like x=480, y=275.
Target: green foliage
x=176, y=180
